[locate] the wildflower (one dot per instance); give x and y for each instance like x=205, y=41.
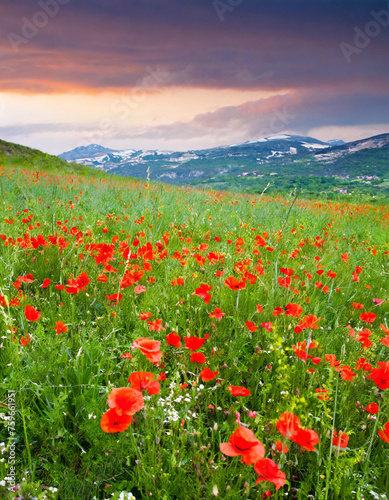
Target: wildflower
x=251, y=326
x=144, y=381
x=233, y=284
x=173, y=339
x=60, y=327
x=384, y=434
x=111, y=422
x=243, y=442
x=197, y=357
x=202, y=292
x=372, y=408
x=268, y=471
x=217, y=313
x=380, y=376
x=280, y=447
x=150, y=348
x=25, y=340
x=125, y=401
x=206, y=374
x=31, y=313
x=145, y=315
x=238, y=391
x=293, y=310
x=115, y=297
x=368, y=317
x=193, y=343
x=340, y=441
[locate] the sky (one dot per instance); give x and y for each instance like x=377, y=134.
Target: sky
x=191, y=74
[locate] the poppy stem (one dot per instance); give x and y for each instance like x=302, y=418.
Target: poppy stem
x=332, y=437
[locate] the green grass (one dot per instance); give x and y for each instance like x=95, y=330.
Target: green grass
x=172, y=448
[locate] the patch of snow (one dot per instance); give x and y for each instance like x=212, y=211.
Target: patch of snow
x=314, y=146
x=275, y=137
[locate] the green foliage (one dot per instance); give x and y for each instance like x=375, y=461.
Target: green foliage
x=171, y=449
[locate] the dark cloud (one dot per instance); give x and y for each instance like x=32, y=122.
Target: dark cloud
x=264, y=44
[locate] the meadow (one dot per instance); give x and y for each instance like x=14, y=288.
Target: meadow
x=173, y=343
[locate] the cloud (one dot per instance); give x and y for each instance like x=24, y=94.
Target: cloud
x=297, y=112
x=95, y=45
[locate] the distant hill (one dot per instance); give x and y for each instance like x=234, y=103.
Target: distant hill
x=365, y=160
x=17, y=155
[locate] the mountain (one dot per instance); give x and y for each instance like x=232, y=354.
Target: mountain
x=174, y=166
x=335, y=142
x=279, y=155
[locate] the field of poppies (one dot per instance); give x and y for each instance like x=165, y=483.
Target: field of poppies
x=171, y=343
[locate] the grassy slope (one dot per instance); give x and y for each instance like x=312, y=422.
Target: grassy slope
x=171, y=449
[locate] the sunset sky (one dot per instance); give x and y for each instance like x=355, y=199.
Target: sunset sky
x=185, y=74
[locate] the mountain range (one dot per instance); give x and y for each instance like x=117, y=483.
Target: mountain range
x=366, y=160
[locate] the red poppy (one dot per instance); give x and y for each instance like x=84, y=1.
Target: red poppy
x=150, y=348
x=364, y=338
x=289, y=426
x=145, y=315
x=31, y=313
x=60, y=327
x=308, y=322
x=293, y=310
x=362, y=364
x=384, y=434
x=306, y=438
x=384, y=329
x=251, y=326
x=385, y=341
x=217, y=313
x=46, y=283
x=238, y=391
x=126, y=355
x=347, y=373
x=82, y=281
x=372, y=408
x=115, y=297
x=368, y=317
x=268, y=325
x=173, y=339
x=380, y=376
x=111, y=422
x=340, y=441
x=268, y=471
x=144, y=381
x=288, y=423
x=206, y=374
x=281, y=447
x=197, y=357
x=277, y=311
x=357, y=306
x=125, y=401
x=202, y=292
x=193, y=343
x=233, y=284
x=155, y=325
x=331, y=358
x=243, y=442
x=25, y=340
